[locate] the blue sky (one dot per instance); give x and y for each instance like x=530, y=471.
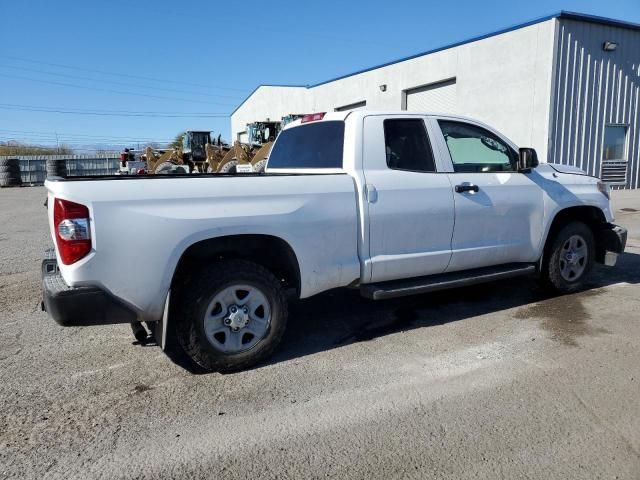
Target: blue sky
x=120, y=59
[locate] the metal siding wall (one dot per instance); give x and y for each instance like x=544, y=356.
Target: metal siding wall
x=594, y=88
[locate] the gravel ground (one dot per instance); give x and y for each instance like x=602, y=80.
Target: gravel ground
x=496, y=381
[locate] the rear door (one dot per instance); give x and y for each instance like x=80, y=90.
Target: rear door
x=410, y=205
x=498, y=211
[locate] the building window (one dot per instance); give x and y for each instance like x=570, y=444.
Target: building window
x=614, y=155
x=351, y=106
x=407, y=146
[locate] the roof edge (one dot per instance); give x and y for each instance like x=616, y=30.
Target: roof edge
x=563, y=14
x=264, y=85
x=612, y=22
x=445, y=47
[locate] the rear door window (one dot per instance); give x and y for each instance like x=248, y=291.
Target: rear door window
x=316, y=145
x=407, y=145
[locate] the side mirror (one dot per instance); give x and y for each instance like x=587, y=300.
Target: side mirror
x=527, y=159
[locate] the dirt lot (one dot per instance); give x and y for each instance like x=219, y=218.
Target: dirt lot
x=496, y=381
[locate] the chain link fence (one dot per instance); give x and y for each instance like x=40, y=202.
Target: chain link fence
x=33, y=168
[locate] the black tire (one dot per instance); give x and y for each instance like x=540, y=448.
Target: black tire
x=9, y=176
x=9, y=162
x=10, y=169
x=164, y=168
x=260, y=166
x=56, y=168
x=229, y=167
x=554, y=277
x=12, y=182
x=196, y=301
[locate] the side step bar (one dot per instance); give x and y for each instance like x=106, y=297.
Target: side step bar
x=443, y=281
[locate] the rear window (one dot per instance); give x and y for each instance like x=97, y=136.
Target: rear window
x=317, y=145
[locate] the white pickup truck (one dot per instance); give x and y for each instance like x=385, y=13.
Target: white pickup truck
x=391, y=203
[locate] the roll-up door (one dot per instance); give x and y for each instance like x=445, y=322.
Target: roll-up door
x=438, y=97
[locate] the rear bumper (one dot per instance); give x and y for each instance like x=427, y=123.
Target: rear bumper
x=79, y=306
x=612, y=240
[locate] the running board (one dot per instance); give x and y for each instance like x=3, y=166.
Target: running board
x=443, y=281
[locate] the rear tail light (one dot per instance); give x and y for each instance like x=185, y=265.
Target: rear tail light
x=312, y=117
x=73, y=235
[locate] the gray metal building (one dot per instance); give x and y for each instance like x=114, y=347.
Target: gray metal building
x=594, y=122
x=567, y=84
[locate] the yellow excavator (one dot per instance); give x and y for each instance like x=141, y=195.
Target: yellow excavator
x=198, y=153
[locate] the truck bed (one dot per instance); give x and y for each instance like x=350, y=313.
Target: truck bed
x=141, y=225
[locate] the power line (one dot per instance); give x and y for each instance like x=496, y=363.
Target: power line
x=35, y=70
x=113, y=113
x=66, y=134
x=51, y=82
x=102, y=72
x=78, y=136
x=53, y=137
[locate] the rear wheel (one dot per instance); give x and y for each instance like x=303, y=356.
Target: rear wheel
x=165, y=168
x=260, y=166
x=235, y=315
x=229, y=167
x=569, y=260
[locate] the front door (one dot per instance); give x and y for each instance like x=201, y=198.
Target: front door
x=410, y=205
x=498, y=211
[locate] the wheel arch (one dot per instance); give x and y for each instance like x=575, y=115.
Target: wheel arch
x=272, y=252
x=590, y=215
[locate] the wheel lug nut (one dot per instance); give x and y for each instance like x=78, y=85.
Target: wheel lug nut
x=245, y=310
x=227, y=321
x=234, y=309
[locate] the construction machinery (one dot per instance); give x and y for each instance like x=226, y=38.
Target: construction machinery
x=260, y=136
x=198, y=153
x=191, y=155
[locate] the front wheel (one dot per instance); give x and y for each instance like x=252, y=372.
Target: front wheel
x=569, y=260
x=235, y=315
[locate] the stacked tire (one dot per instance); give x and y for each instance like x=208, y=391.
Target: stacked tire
x=56, y=168
x=10, y=172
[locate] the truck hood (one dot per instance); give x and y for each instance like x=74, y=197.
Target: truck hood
x=567, y=169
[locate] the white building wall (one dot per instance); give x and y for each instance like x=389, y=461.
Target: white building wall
x=504, y=80
x=269, y=102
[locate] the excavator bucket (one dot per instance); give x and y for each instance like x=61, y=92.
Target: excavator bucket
x=262, y=153
x=238, y=155
x=158, y=161
x=215, y=155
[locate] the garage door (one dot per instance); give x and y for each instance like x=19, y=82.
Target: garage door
x=438, y=97
x=352, y=106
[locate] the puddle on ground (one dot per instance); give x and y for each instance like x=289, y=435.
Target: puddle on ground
x=565, y=318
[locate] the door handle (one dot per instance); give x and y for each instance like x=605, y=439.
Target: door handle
x=467, y=187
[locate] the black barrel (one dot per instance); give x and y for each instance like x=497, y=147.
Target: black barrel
x=56, y=168
x=10, y=172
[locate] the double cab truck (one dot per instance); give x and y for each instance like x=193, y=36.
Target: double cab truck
x=393, y=204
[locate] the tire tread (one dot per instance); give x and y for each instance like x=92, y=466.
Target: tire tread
x=214, y=278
